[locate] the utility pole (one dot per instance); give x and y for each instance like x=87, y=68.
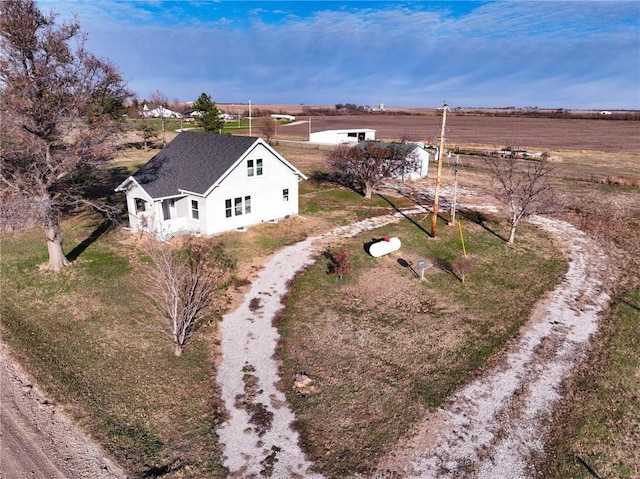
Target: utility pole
x=452, y=221
x=434, y=218
x=249, y=117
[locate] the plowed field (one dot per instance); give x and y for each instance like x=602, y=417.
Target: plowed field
x=465, y=130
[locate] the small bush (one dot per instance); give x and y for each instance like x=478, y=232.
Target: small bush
x=462, y=266
x=339, y=261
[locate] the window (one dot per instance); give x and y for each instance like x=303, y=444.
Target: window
x=195, y=213
x=285, y=195
x=227, y=207
x=257, y=170
x=140, y=205
x=352, y=134
x=237, y=206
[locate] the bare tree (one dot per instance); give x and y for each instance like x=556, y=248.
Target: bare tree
x=59, y=105
x=523, y=186
x=181, y=284
x=268, y=128
x=161, y=102
x=365, y=166
x=339, y=261
x=180, y=108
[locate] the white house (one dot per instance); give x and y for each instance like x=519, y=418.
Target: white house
x=338, y=137
x=223, y=116
x=204, y=183
x=159, y=112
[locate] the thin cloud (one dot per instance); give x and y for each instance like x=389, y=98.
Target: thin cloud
x=547, y=54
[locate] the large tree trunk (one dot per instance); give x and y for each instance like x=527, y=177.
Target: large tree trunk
x=57, y=258
x=368, y=190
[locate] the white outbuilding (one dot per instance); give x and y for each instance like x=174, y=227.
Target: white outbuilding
x=339, y=137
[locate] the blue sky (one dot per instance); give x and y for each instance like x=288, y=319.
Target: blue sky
x=549, y=54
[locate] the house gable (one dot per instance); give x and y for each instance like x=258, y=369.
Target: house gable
x=260, y=150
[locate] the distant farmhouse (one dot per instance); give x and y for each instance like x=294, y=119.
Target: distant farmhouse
x=224, y=116
x=338, y=137
x=205, y=184
x=159, y=112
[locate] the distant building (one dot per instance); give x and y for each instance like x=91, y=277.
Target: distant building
x=339, y=137
x=422, y=156
x=418, y=155
x=278, y=116
x=159, y=112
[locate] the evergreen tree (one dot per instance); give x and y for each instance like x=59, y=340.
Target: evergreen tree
x=209, y=117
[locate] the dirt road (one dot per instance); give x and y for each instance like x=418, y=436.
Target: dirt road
x=38, y=441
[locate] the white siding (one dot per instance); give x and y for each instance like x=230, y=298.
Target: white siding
x=264, y=190
x=144, y=220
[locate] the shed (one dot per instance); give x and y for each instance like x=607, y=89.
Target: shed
x=338, y=137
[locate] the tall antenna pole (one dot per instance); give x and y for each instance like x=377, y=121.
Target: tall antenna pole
x=434, y=218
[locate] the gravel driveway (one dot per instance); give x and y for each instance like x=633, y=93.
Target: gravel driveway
x=490, y=429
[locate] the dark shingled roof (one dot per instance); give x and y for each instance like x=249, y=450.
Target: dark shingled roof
x=192, y=161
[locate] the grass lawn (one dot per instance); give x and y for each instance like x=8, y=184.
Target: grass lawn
x=601, y=436
x=384, y=348
x=89, y=341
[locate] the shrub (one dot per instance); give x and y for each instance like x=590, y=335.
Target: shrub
x=339, y=261
x=462, y=266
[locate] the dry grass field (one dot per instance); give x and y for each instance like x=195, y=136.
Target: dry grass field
x=366, y=316
x=157, y=414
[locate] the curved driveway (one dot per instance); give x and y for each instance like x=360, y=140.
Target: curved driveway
x=490, y=428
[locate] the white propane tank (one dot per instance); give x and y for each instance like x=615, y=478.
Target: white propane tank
x=384, y=246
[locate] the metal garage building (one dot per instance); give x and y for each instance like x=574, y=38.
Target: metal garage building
x=338, y=137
